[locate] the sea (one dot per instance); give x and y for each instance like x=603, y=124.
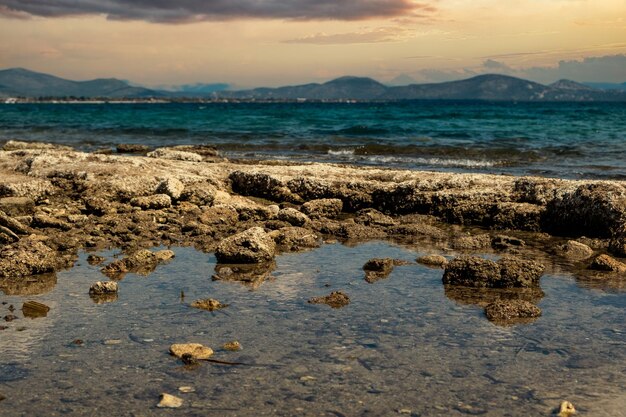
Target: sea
x=564, y=140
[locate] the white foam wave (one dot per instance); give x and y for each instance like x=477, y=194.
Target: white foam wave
x=341, y=152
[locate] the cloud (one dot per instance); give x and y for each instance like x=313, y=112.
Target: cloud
x=384, y=34
x=182, y=11
x=610, y=68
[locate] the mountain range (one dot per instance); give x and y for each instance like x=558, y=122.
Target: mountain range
x=18, y=82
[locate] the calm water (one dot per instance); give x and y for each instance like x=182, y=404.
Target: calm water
x=551, y=139
x=403, y=346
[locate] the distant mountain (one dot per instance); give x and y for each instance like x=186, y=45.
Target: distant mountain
x=402, y=79
x=607, y=86
x=198, y=89
x=19, y=82
x=489, y=87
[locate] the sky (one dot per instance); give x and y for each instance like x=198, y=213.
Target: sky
x=250, y=43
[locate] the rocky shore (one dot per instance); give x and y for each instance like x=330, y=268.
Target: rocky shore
x=56, y=201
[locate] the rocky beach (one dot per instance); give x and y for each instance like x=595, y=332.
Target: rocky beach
x=487, y=239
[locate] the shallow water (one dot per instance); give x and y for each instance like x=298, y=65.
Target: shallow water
x=401, y=347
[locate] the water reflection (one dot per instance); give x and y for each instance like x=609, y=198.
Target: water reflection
x=251, y=275
x=32, y=285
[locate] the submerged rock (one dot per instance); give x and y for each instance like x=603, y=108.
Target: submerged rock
x=197, y=350
x=511, y=311
x=142, y=262
x=294, y=239
x=208, y=304
x=251, y=246
x=574, y=250
x=377, y=269
x=169, y=401
x=433, y=260
x=335, y=299
x=508, y=272
x=252, y=275
x=506, y=242
x=608, y=264
x=34, y=309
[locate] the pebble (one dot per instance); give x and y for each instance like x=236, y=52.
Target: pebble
x=186, y=389
x=197, y=350
x=232, y=346
x=169, y=401
x=110, y=342
x=566, y=409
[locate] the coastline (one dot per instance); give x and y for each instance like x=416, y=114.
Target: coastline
x=189, y=195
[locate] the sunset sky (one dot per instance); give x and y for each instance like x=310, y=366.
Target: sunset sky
x=277, y=42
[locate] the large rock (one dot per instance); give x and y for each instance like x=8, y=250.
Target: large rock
x=171, y=187
x=574, y=250
x=251, y=246
x=29, y=256
x=377, y=269
x=508, y=272
x=293, y=217
x=295, y=238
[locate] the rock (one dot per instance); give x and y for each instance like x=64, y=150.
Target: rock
x=133, y=148
x=377, y=269
x=252, y=275
x=185, y=389
x=95, y=259
x=418, y=230
x=574, y=250
x=232, y=346
x=293, y=217
x=199, y=194
x=369, y=217
x=42, y=220
x=164, y=255
x=481, y=241
x=12, y=224
x=335, y=299
x=169, y=401
x=98, y=206
x=509, y=311
x=433, y=260
x=323, y=207
x=251, y=246
x=607, y=263
x=16, y=145
x=103, y=287
x=508, y=272
x=203, y=150
x=17, y=206
x=34, y=309
x=294, y=239
x=189, y=359
x=28, y=256
x=617, y=246
x=261, y=185
x=506, y=242
x=171, y=187
x=208, y=304
x=197, y=350
x=152, y=202
x=566, y=409
x=164, y=153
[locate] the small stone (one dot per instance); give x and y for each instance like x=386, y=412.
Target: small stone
x=186, y=389
x=169, y=401
x=335, y=299
x=34, y=309
x=95, y=259
x=10, y=317
x=307, y=378
x=111, y=342
x=232, y=346
x=189, y=359
x=566, y=409
x=405, y=411
x=208, y=304
x=377, y=269
x=437, y=261
x=103, y=287
x=78, y=342
x=250, y=246
x=164, y=255
x=195, y=349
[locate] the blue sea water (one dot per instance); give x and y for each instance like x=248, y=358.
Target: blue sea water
x=566, y=140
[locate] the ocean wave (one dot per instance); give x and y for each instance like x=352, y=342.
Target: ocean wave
x=341, y=152
x=437, y=162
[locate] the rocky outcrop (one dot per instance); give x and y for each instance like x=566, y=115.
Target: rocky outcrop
x=250, y=246
x=294, y=239
x=293, y=217
x=152, y=202
x=335, y=299
x=608, y=264
x=324, y=207
x=437, y=261
x=508, y=272
x=28, y=256
x=377, y=269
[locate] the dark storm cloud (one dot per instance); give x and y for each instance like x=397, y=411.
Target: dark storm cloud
x=180, y=11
